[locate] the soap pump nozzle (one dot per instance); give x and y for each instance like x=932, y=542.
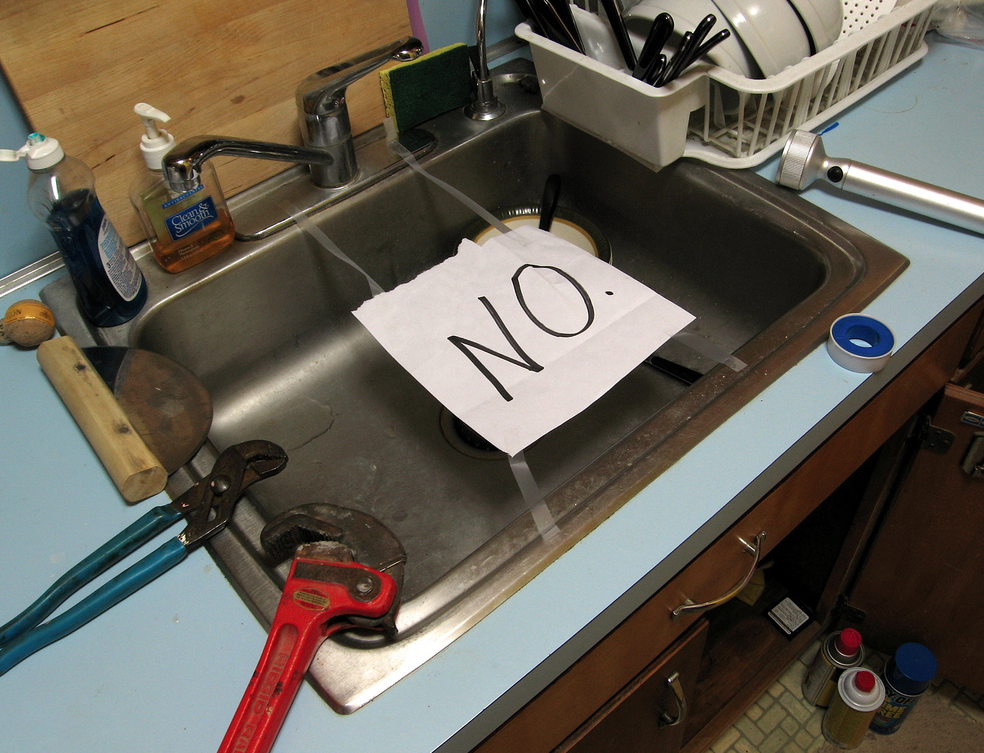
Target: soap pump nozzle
x=156, y=142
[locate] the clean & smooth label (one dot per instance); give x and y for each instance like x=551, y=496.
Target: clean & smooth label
x=199, y=215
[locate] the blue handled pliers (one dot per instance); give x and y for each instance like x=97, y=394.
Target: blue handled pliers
x=207, y=507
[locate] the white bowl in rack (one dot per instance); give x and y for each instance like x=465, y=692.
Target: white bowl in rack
x=770, y=29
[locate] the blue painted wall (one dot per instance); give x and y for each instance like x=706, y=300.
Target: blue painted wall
x=25, y=240
x=450, y=21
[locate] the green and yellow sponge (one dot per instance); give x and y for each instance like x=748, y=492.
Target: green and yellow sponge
x=426, y=87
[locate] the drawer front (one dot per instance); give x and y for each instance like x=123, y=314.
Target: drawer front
x=649, y=714
x=623, y=654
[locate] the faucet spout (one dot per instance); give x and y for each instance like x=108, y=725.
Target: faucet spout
x=182, y=164
x=485, y=105
x=323, y=112
x=325, y=126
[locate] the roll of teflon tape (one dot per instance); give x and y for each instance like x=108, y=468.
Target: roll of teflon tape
x=860, y=343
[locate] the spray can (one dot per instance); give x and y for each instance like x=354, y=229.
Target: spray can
x=908, y=675
x=860, y=693
x=838, y=652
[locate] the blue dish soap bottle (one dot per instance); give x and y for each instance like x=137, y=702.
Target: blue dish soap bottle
x=183, y=228
x=61, y=193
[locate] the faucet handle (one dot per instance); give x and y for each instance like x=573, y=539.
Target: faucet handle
x=323, y=115
x=323, y=93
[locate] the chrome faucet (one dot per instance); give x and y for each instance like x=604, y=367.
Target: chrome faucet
x=485, y=105
x=324, y=121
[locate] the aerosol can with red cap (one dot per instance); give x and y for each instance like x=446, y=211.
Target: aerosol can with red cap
x=840, y=651
x=860, y=693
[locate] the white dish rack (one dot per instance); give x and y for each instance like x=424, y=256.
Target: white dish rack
x=719, y=117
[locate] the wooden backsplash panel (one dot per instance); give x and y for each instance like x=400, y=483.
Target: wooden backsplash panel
x=226, y=67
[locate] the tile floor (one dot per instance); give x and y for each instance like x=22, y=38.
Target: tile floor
x=781, y=721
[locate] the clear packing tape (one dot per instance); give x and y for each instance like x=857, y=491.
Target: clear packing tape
x=960, y=21
x=308, y=226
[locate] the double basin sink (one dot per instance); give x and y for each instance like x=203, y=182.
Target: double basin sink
x=268, y=327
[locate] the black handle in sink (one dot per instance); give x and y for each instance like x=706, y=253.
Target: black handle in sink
x=548, y=204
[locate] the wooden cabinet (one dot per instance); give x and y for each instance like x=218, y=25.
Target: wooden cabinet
x=744, y=653
x=922, y=580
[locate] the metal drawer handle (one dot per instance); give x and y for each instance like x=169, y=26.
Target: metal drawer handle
x=673, y=683
x=755, y=550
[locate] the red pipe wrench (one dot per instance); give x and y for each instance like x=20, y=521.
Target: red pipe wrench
x=327, y=590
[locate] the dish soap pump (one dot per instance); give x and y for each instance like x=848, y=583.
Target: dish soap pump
x=183, y=228
x=61, y=193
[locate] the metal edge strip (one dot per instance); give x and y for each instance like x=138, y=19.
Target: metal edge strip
x=31, y=273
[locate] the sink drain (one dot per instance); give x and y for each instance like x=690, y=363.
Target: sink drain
x=466, y=440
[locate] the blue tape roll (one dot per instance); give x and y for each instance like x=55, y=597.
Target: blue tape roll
x=860, y=343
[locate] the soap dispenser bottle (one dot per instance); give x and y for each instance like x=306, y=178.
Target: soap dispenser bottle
x=61, y=192
x=183, y=228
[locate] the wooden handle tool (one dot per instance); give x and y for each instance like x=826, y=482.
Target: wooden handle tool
x=133, y=467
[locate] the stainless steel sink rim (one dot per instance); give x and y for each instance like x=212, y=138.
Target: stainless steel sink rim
x=350, y=677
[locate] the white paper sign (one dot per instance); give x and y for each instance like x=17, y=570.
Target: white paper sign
x=519, y=335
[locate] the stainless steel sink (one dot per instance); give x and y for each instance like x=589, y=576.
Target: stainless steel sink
x=268, y=326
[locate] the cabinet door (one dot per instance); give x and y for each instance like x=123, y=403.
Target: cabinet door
x=922, y=580
x=648, y=715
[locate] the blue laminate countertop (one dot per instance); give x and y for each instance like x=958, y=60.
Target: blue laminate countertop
x=164, y=670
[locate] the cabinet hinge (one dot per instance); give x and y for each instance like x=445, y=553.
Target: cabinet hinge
x=973, y=459
x=935, y=439
x=850, y=613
